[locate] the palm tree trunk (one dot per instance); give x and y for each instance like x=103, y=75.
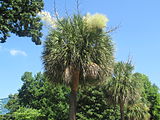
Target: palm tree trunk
x=73, y=96
x=72, y=113
x=122, y=111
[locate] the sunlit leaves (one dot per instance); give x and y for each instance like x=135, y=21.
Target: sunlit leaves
x=72, y=43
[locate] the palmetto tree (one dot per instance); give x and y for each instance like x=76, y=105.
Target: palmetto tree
x=138, y=111
x=122, y=87
x=78, y=51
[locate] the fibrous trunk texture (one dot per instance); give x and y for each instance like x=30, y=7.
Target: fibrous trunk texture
x=122, y=111
x=73, y=95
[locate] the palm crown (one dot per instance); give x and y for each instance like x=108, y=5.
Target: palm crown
x=81, y=43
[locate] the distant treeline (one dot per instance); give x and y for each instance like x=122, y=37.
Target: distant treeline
x=39, y=100
x=2, y=104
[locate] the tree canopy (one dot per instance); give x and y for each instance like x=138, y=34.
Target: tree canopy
x=48, y=101
x=79, y=41
x=124, y=89
x=20, y=18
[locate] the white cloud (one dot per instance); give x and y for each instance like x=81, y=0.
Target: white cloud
x=17, y=52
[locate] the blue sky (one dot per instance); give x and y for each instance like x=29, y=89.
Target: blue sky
x=138, y=37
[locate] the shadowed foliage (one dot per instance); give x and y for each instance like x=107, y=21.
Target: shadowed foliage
x=20, y=17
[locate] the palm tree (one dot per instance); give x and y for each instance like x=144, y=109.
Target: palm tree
x=138, y=111
x=78, y=51
x=122, y=87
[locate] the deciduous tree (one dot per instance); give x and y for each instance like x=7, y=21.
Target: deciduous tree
x=20, y=17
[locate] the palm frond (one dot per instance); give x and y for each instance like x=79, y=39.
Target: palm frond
x=72, y=44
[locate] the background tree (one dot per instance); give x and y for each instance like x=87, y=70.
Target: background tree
x=137, y=111
x=20, y=17
x=13, y=103
x=139, y=108
x=27, y=114
x=77, y=51
x=51, y=101
x=151, y=95
x=35, y=93
x=31, y=90
x=91, y=101
x=122, y=88
x=92, y=105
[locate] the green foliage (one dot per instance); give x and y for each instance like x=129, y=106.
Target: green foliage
x=24, y=114
x=32, y=90
x=6, y=117
x=19, y=17
x=151, y=96
x=50, y=102
x=72, y=44
x=27, y=114
x=13, y=103
x=123, y=87
x=55, y=102
x=137, y=111
x=38, y=94
x=92, y=105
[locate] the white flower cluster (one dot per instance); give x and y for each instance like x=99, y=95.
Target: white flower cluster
x=92, y=21
x=96, y=21
x=47, y=19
